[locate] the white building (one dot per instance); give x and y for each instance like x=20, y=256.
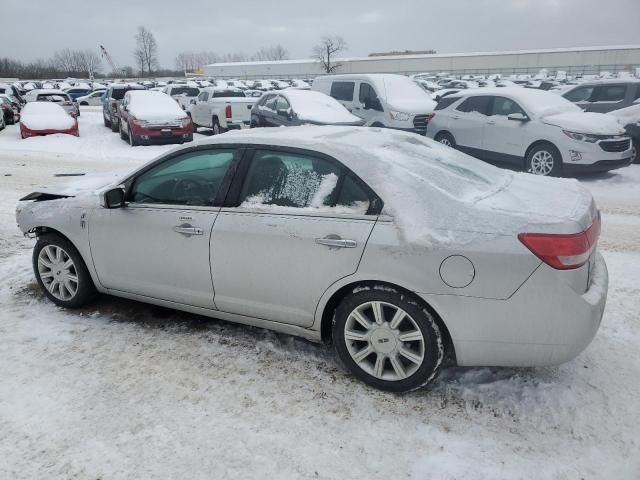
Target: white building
x=574, y=61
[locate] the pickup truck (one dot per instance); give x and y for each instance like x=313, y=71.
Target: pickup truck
x=221, y=109
x=181, y=93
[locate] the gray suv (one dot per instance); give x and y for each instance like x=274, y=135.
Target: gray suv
x=115, y=94
x=605, y=95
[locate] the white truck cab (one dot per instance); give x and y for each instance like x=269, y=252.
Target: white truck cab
x=222, y=109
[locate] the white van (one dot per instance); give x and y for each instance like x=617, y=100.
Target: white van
x=382, y=100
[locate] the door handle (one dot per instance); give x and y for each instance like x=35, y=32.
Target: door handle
x=491, y=122
x=188, y=230
x=336, y=242
x=455, y=117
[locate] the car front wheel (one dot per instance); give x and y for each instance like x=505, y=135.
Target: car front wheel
x=446, y=139
x=544, y=160
x=61, y=272
x=387, y=339
x=635, y=152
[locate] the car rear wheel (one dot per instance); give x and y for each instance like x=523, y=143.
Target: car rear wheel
x=107, y=122
x=635, y=151
x=446, y=139
x=544, y=160
x=122, y=135
x=61, y=272
x=115, y=125
x=215, y=126
x=84, y=104
x=387, y=339
x=133, y=141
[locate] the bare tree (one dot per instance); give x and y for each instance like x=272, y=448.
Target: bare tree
x=325, y=51
x=146, y=51
x=277, y=52
x=77, y=62
x=191, y=61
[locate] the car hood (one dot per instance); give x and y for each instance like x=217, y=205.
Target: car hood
x=586, y=122
x=79, y=187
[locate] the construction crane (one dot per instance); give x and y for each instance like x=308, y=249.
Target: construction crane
x=112, y=64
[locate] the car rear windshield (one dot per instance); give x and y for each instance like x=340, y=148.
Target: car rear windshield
x=228, y=93
x=53, y=97
x=188, y=91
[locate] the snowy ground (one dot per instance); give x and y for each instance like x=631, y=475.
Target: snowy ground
x=123, y=390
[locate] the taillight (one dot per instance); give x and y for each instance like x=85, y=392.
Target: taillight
x=430, y=117
x=563, y=252
x=227, y=111
x=68, y=103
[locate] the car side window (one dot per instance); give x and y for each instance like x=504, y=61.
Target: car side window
x=610, y=93
x=369, y=98
x=203, y=97
x=295, y=180
x=282, y=103
x=193, y=179
x=478, y=104
x=582, y=94
x=270, y=102
x=505, y=107
x=343, y=91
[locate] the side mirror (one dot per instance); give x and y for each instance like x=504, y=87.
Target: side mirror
x=114, y=198
x=192, y=101
x=518, y=117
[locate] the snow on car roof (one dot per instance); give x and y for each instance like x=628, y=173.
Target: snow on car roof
x=627, y=115
x=153, y=106
x=317, y=107
x=45, y=116
x=537, y=102
x=434, y=193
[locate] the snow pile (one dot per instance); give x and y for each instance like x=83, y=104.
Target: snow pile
x=317, y=107
x=628, y=115
x=434, y=193
x=46, y=116
x=154, y=106
x=586, y=122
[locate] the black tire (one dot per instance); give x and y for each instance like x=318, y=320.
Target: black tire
x=133, y=141
x=122, y=135
x=446, y=139
x=86, y=104
x=215, y=126
x=107, y=123
x=377, y=125
x=418, y=315
x=188, y=139
x=635, y=151
x=115, y=126
x=547, y=150
x=86, y=290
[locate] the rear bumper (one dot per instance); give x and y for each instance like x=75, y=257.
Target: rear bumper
x=546, y=322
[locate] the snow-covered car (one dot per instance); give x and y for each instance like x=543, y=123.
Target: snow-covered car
x=291, y=107
x=381, y=100
x=56, y=96
x=153, y=117
x=46, y=118
x=9, y=110
x=394, y=247
x=629, y=117
x=532, y=130
x=222, y=109
x=93, y=99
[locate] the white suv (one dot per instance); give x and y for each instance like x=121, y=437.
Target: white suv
x=533, y=130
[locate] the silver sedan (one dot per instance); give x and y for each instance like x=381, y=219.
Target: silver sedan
x=392, y=247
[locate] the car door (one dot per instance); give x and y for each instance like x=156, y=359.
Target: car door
x=368, y=106
x=158, y=245
x=296, y=223
x=468, y=123
x=609, y=97
x=504, y=138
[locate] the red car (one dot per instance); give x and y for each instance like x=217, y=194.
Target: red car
x=45, y=118
x=153, y=117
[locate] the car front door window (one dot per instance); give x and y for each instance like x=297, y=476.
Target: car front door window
x=369, y=98
x=192, y=179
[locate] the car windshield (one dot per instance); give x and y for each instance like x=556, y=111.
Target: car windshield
x=186, y=91
x=229, y=93
x=53, y=97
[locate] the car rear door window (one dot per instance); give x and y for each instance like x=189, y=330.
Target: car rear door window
x=282, y=103
x=610, y=93
x=295, y=180
x=504, y=106
x=478, y=104
x=192, y=179
x=343, y=91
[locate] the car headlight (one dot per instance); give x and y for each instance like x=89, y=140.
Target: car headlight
x=400, y=116
x=140, y=123
x=186, y=121
x=583, y=137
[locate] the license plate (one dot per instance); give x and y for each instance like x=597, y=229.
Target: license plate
x=165, y=132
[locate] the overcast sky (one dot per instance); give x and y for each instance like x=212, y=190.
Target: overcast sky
x=35, y=29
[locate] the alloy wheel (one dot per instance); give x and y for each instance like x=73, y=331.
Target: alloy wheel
x=445, y=141
x=542, y=163
x=58, y=272
x=384, y=341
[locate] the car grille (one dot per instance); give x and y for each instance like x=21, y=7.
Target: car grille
x=615, y=145
x=164, y=125
x=420, y=122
